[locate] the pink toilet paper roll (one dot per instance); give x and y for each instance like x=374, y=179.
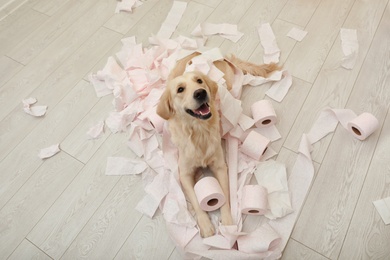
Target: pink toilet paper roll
x=209, y=194
x=363, y=126
x=254, y=200
x=255, y=145
x=263, y=113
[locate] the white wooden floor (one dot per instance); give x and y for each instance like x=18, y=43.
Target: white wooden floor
x=66, y=208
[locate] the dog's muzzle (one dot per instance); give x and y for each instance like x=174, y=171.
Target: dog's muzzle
x=203, y=111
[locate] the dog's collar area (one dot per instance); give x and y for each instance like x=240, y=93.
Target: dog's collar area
x=203, y=112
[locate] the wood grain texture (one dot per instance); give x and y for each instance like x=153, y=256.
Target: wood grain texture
x=148, y=240
x=299, y=12
x=295, y=250
x=111, y=224
x=124, y=21
x=334, y=83
x=19, y=165
x=56, y=231
x=368, y=237
x=8, y=68
x=324, y=27
x=26, y=250
x=34, y=198
x=337, y=187
x=49, y=7
x=20, y=24
x=259, y=12
x=53, y=56
x=17, y=124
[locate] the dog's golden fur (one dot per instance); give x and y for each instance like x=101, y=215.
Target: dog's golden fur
x=188, y=103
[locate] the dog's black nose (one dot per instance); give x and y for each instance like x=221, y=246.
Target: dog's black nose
x=200, y=94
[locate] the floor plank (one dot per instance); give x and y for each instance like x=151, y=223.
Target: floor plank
x=20, y=24
x=334, y=83
x=8, y=68
x=17, y=124
x=368, y=237
x=26, y=250
x=102, y=237
x=336, y=189
x=31, y=202
x=299, y=12
x=124, y=21
x=148, y=240
x=23, y=160
x=323, y=29
x=295, y=250
x=247, y=25
x=56, y=231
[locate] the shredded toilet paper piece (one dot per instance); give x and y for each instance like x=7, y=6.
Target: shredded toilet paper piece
x=127, y=5
x=228, y=31
x=350, y=47
x=383, y=208
x=96, y=131
x=36, y=111
x=172, y=20
x=124, y=166
x=297, y=34
x=280, y=88
x=49, y=151
x=272, y=176
x=268, y=41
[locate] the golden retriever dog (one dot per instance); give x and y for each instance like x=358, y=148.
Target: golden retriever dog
x=188, y=103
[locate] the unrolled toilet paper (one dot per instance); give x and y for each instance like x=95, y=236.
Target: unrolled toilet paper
x=254, y=200
x=209, y=194
x=263, y=113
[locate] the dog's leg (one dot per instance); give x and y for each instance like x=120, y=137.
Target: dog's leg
x=220, y=172
x=187, y=180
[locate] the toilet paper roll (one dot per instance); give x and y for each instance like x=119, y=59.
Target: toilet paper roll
x=254, y=200
x=363, y=126
x=255, y=145
x=209, y=194
x=263, y=113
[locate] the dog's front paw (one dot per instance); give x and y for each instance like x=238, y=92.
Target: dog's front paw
x=205, y=225
x=226, y=216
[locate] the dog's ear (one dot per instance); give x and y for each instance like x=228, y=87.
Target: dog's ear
x=212, y=86
x=164, y=107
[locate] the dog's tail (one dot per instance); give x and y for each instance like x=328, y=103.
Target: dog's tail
x=263, y=70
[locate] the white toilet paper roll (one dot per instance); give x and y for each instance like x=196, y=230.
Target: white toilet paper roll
x=209, y=194
x=255, y=145
x=254, y=200
x=263, y=113
x=363, y=126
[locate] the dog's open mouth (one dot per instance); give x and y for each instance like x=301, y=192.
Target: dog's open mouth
x=203, y=112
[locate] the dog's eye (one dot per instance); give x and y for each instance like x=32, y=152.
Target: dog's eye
x=199, y=81
x=180, y=89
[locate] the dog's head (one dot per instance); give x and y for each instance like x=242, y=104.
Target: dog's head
x=191, y=94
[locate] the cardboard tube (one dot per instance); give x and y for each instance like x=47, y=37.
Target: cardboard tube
x=263, y=113
x=363, y=126
x=255, y=145
x=209, y=194
x=254, y=200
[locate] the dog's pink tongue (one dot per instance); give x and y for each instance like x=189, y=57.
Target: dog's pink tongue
x=203, y=110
